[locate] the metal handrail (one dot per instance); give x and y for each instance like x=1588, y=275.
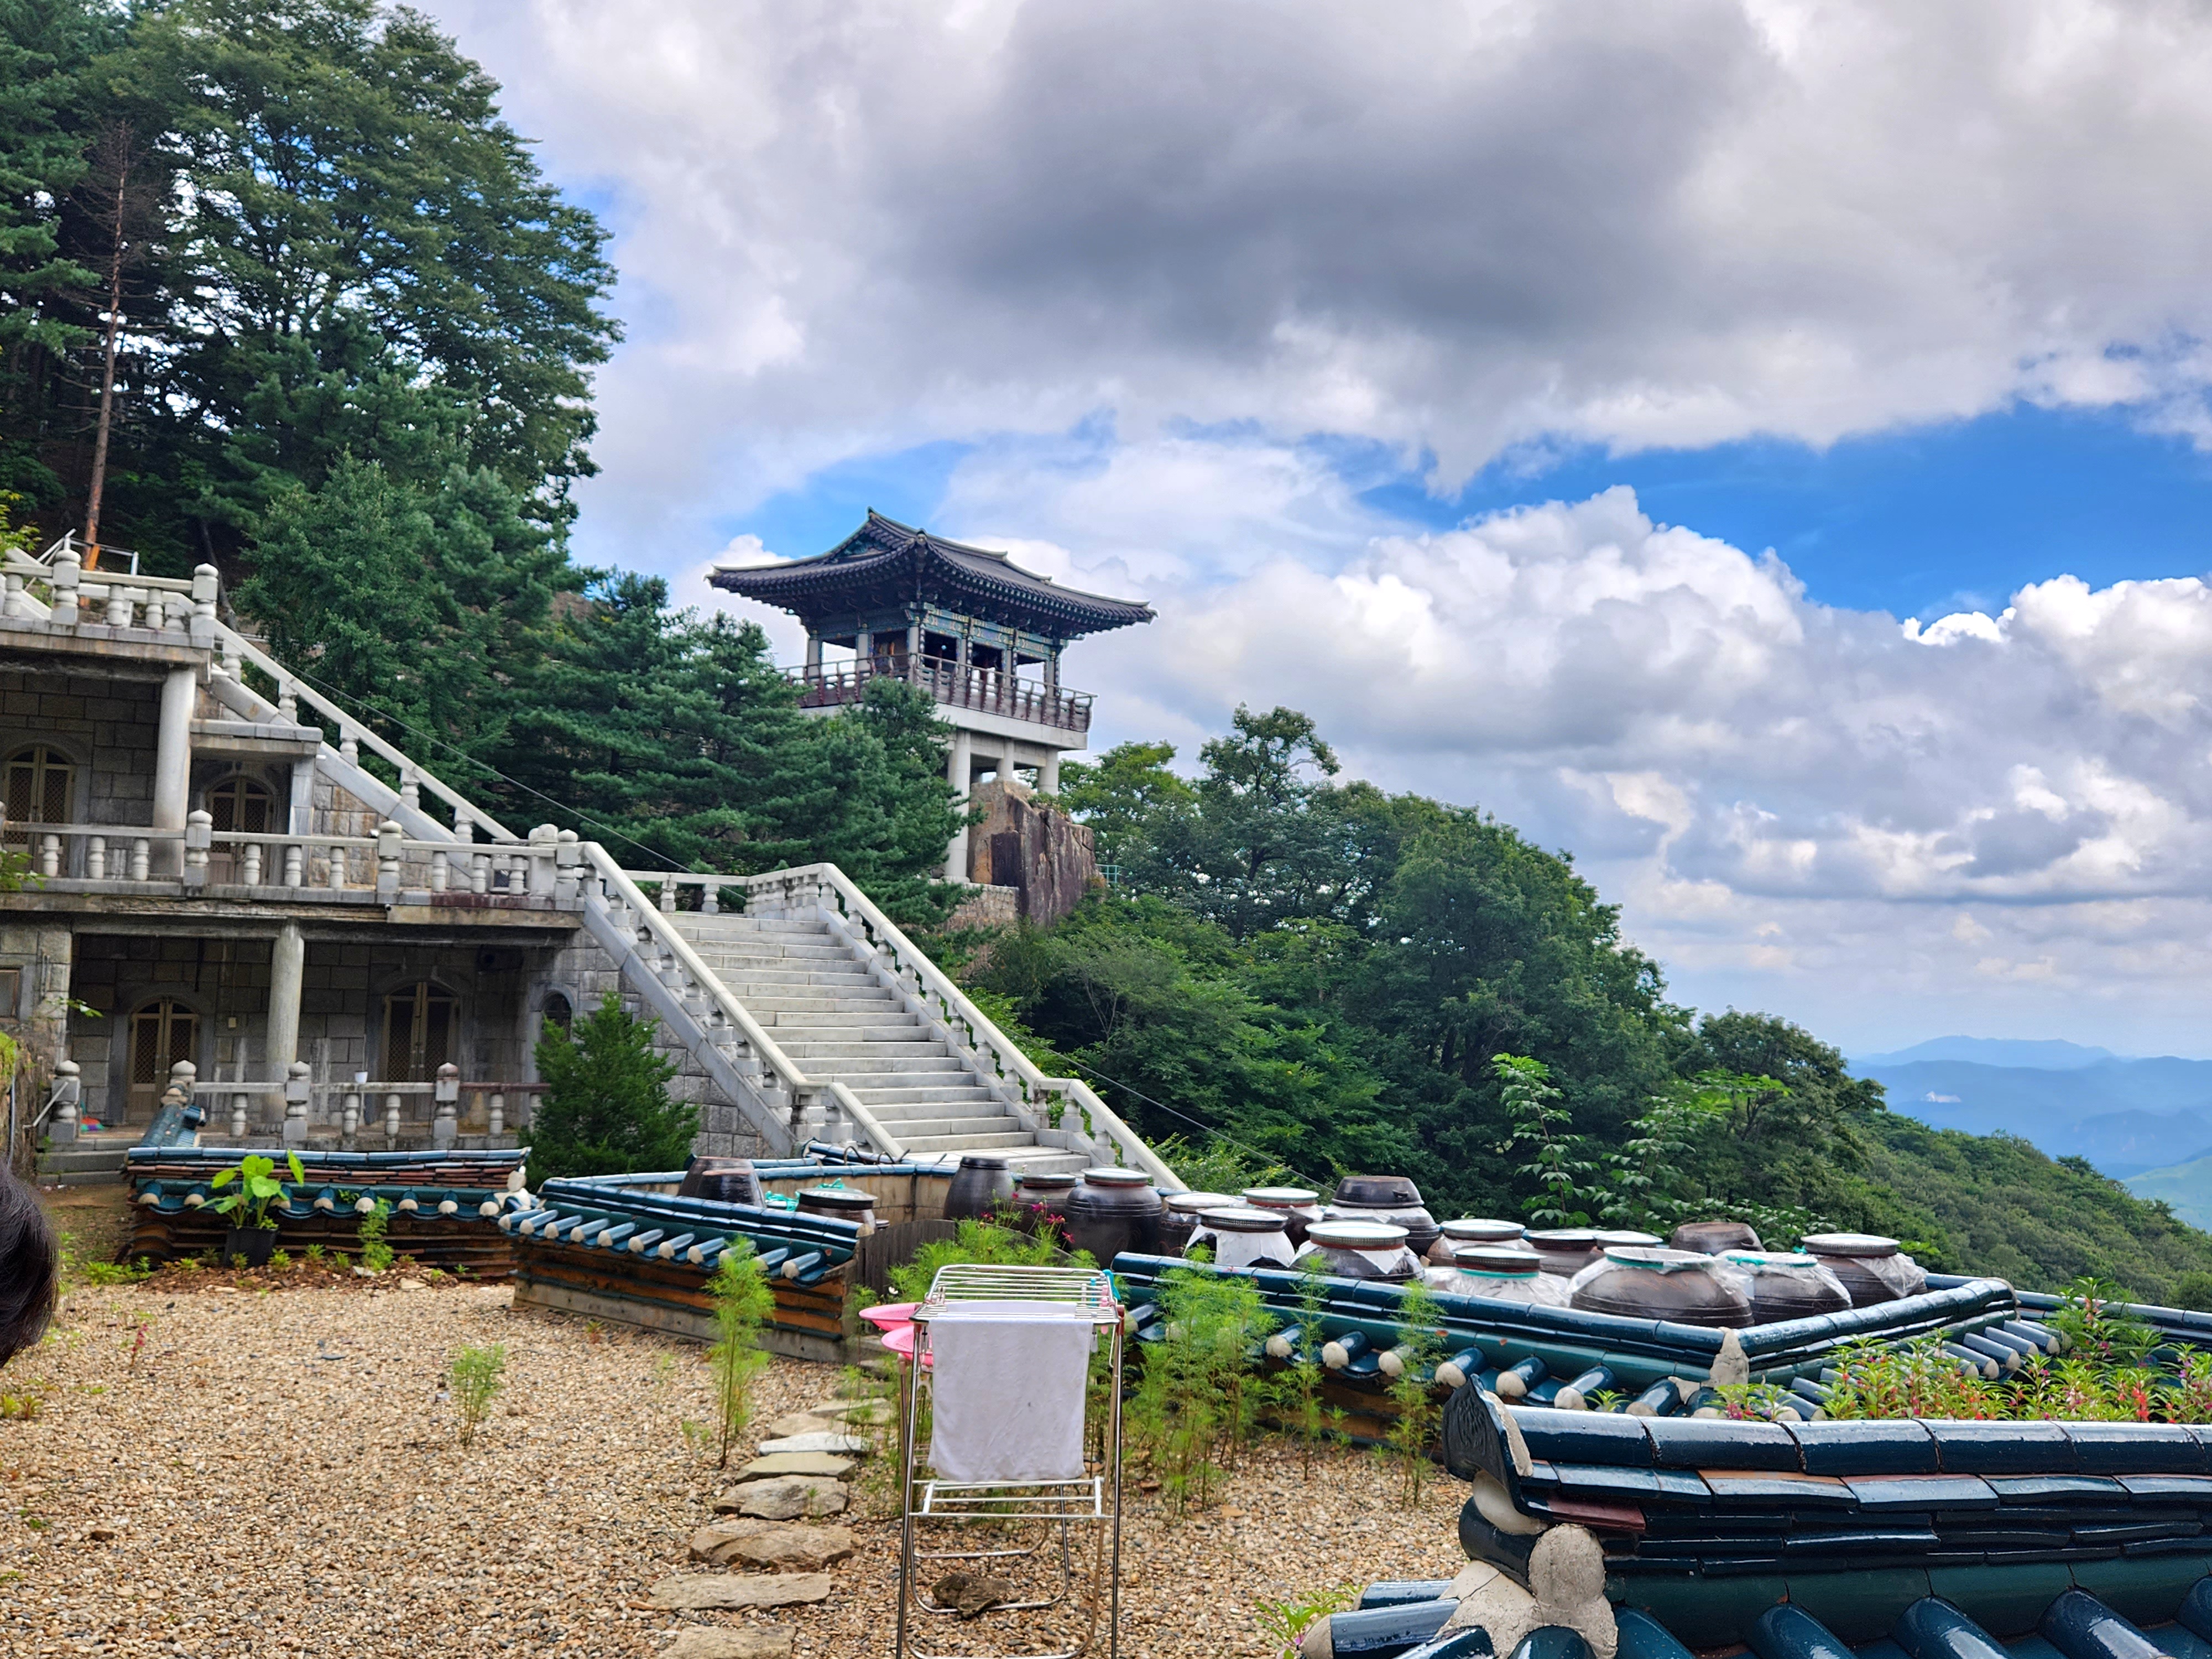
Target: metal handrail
x=906, y=959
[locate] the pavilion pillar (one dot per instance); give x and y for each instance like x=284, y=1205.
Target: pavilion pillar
x=1048, y=773
x=956, y=772
x=864, y=650
x=813, y=653
x=287, y=975
x=173, y=763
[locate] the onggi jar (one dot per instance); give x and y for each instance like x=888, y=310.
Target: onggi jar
x=1565, y=1250
x=1180, y=1219
x=1510, y=1235
x=1111, y=1210
x=1301, y=1207
x=1873, y=1268
x=1045, y=1196
x=1647, y=1282
x=1503, y=1273
x=1392, y=1198
x=1783, y=1285
x=1243, y=1236
x=1360, y=1250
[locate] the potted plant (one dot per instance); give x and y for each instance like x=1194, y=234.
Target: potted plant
x=253, y=1235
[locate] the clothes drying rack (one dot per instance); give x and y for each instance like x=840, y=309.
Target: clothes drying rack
x=1091, y=1501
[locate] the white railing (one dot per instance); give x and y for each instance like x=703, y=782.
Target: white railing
x=1080, y=1111
x=715, y=1011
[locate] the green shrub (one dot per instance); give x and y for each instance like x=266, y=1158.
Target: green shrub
x=605, y=1109
x=1414, y=1389
x=476, y=1375
x=1197, y=1396
x=375, y=1253
x=743, y=1303
x=983, y=1244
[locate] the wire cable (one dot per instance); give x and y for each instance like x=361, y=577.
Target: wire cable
x=1220, y=1134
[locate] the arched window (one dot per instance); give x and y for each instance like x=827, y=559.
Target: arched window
x=241, y=806
x=557, y=1013
x=41, y=787
x=162, y=1033
x=418, y=1033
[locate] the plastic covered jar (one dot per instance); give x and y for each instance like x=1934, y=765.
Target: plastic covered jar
x=1787, y=1285
x=1609, y=1238
x=1565, y=1251
x=1715, y=1237
x=1301, y=1207
x=853, y=1204
x=1392, y=1198
x=1474, y=1230
x=1872, y=1268
x=1111, y=1210
x=1360, y=1250
x=1637, y=1281
x=1242, y=1236
x=1503, y=1272
x=1180, y=1216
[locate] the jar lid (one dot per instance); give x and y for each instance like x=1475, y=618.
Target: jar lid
x=1609, y=1238
x=1240, y=1219
x=1497, y=1260
x=1190, y=1203
x=1659, y=1259
x=1564, y=1238
x=1473, y=1229
x=1773, y=1258
x=1103, y=1177
x=1280, y=1198
x=982, y=1161
x=838, y=1198
x=1357, y=1236
x=1849, y=1245
x=1041, y=1181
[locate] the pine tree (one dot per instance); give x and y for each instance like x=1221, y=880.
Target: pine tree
x=605, y=1109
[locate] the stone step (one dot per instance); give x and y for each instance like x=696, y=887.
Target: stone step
x=936, y=1106
x=944, y=1094
x=774, y=949
x=692, y=924
x=974, y=1143
x=851, y=1066
x=840, y=1002
x=767, y=979
x=868, y=1019
x=860, y=1043
x=913, y=1132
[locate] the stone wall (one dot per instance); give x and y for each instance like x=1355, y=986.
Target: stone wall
x=106, y=726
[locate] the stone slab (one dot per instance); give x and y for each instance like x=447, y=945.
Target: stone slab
x=725, y=1642
x=704, y=1591
x=780, y=1463
x=793, y=1548
x=852, y=1411
x=802, y=1423
x=850, y=1445
x=714, y=1543
x=792, y=1497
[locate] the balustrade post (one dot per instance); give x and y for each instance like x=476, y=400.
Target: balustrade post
x=480, y=873
x=295, y=865
x=238, y=1104
x=445, y=1093
x=141, y=858
x=350, y=1114
x=392, y=1119
x=567, y=858
x=288, y=702
x=50, y=855
x=296, y=1103
x=387, y=861
x=543, y=841
x=668, y=898
x=199, y=835
x=337, y=874
x=710, y=898
x=251, y=864
x=12, y=602
x=439, y=872
x=410, y=789
x=205, y=580
x=350, y=745
x=118, y=606
x=95, y=858
x=495, y=1117
x=63, y=574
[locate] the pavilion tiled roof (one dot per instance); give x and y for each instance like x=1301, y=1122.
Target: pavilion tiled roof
x=886, y=561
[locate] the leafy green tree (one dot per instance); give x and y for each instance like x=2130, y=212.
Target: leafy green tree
x=605, y=1109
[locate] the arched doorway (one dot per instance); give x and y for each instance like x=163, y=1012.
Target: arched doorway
x=418, y=1033
x=41, y=788
x=241, y=806
x=162, y=1033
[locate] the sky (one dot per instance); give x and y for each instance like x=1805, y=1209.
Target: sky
x=1762, y=447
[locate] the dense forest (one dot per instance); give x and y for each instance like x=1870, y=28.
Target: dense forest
x=280, y=290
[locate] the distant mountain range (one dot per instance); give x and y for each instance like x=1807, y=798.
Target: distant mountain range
x=2146, y=1122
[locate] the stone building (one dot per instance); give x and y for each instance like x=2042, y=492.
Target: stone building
x=962, y=622
x=230, y=885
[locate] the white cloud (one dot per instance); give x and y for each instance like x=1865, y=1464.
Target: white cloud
x=1447, y=227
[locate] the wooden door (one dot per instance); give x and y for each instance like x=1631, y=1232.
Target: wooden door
x=244, y=807
x=418, y=1034
x=162, y=1034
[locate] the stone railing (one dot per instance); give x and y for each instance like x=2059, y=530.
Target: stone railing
x=355, y=1107
x=65, y=594
x=690, y=999
x=1066, y=1106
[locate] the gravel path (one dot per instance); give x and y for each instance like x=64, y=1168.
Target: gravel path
x=276, y=1472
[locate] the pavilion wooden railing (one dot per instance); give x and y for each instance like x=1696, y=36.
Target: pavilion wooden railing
x=987, y=691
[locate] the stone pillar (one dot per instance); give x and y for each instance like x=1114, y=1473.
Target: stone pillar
x=956, y=770
x=813, y=652
x=287, y=973
x=172, y=763
x=1048, y=773
x=300, y=815
x=296, y=1090
x=864, y=650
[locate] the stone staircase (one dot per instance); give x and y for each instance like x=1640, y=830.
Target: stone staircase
x=94, y=1159
x=827, y=1011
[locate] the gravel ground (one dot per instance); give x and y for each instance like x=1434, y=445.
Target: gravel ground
x=273, y=1471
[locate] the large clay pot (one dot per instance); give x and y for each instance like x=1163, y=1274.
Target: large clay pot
x=1111, y=1210
x=1243, y=1236
x=1504, y=1273
x=1647, y=1282
x=720, y=1181
x=846, y=1203
x=1044, y=1196
x=1360, y=1250
x=1179, y=1219
x=1474, y=1230
x=1783, y=1285
x=983, y=1182
x=1565, y=1250
x=1872, y=1268
x=1394, y=1200
x=1715, y=1237
x=1301, y=1207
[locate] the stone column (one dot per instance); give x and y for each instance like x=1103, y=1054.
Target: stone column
x=956, y=770
x=287, y=973
x=1048, y=773
x=172, y=763
x=813, y=652
x=299, y=815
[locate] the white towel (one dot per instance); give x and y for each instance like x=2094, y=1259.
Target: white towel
x=1007, y=1397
